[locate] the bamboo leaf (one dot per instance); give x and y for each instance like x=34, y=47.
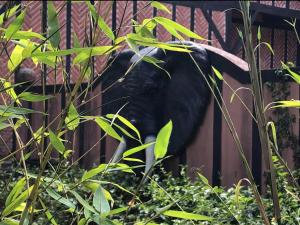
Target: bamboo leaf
x=53, y=25
x=72, y=120
x=125, y=122
x=162, y=141
x=9, y=13
x=217, y=73
x=258, y=34
x=53, y=194
x=293, y=74
x=56, y=143
x=17, y=189
x=186, y=215
x=100, y=21
x=160, y=6
x=15, y=203
x=178, y=27
x=48, y=213
x=100, y=202
x=83, y=202
x=86, y=53
x=137, y=149
x=15, y=25
x=31, y=97
x=104, y=125
x=93, y=172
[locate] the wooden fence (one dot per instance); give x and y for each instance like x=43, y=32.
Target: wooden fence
x=213, y=151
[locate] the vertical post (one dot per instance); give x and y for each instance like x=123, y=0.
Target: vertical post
x=173, y=16
x=217, y=127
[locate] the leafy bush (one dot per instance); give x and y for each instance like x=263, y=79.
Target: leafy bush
x=235, y=205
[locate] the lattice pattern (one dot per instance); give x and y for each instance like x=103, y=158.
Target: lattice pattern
x=162, y=34
x=279, y=45
x=183, y=16
x=200, y=25
x=265, y=54
x=219, y=20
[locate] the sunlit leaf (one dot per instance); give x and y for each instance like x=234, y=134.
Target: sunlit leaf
x=56, y=143
x=104, y=125
x=10, y=12
x=53, y=25
x=11, y=92
x=162, y=141
x=293, y=74
x=15, y=25
x=72, y=120
x=21, y=34
x=273, y=130
x=89, y=52
x=93, y=172
x=217, y=73
x=177, y=27
x=286, y=104
x=137, y=149
x=15, y=203
x=100, y=21
x=258, y=33
x=160, y=6
x=16, y=58
x=17, y=189
x=125, y=122
x=186, y=215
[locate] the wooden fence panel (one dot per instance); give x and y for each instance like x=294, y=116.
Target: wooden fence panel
x=232, y=168
x=200, y=152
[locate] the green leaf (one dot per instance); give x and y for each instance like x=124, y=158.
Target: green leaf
x=10, y=110
x=21, y=34
x=93, y=172
x=16, y=58
x=17, y=189
x=53, y=25
x=76, y=41
x=104, y=125
x=17, y=202
x=125, y=122
x=9, y=13
x=162, y=141
x=10, y=91
x=31, y=97
x=137, y=149
x=48, y=213
x=217, y=73
x=15, y=25
x=53, y=194
x=133, y=160
x=186, y=215
x=268, y=46
x=72, y=120
x=293, y=74
x=100, y=21
x=100, y=203
x=9, y=221
x=83, y=202
x=86, y=53
x=82, y=221
x=178, y=27
x=258, y=33
x=286, y=104
x=160, y=6
x=56, y=143
x=203, y=178
x=273, y=129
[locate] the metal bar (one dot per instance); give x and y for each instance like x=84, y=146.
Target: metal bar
x=173, y=17
x=214, y=28
x=68, y=39
x=217, y=126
